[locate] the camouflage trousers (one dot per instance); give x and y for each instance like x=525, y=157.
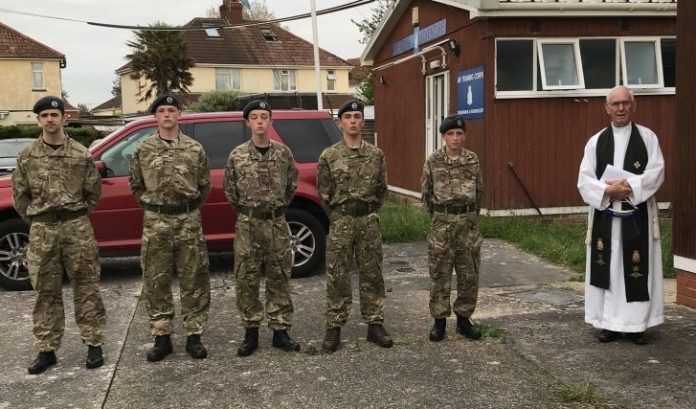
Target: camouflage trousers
x=257, y=244
x=67, y=247
x=454, y=242
x=175, y=242
x=360, y=237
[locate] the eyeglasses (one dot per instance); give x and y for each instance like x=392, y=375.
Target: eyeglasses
x=617, y=104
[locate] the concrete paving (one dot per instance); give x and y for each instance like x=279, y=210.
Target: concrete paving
x=532, y=312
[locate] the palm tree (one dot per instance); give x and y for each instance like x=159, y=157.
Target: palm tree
x=160, y=57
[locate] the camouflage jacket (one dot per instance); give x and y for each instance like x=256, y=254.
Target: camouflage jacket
x=169, y=173
x=48, y=179
x=452, y=182
x=264, y=182
x=344, y=174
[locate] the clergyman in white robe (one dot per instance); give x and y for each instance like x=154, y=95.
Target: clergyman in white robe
x=608, y=309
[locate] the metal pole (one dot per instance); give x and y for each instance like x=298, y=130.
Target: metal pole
x=317, y=64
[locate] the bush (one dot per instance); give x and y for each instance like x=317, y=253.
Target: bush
x=83, y=135
x=217, y=101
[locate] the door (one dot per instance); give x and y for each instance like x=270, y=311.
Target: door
x=436, y=107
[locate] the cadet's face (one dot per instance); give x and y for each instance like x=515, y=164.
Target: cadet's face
x=167, y=116
x=51, y=120
x=352, y=122
x=259, y=121
x=454, y=138
x=620, y=107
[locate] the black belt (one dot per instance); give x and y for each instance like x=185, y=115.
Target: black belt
x=454, y=209
x=58, y=216
x=261, y=214
x=171, y=209
x=355, y=209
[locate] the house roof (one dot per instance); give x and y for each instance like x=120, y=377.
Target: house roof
x=113, y=103
x=246, y=45
x=14, y=44
x=524, y=8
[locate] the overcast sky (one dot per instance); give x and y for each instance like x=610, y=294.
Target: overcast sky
x=94, y=53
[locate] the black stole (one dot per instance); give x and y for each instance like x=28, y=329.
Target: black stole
x=634, y=229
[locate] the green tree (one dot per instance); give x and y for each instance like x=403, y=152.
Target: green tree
x=161, y=58
x=116, y=87
x=217, y=101
x=84, y=110
x=367, y=27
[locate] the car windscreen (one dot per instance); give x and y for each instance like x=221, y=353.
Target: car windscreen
x=10, y=149
x=307, y=138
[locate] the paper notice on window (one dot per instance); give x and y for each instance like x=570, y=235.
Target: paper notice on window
x=613, y=173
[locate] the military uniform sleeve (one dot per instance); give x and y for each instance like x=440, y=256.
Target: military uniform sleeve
x=479, y=189
x=292, y=179
x=382, y=181
x=203, y=178
x=92, y=186
x=135, y=176
x=427, y=192
x=229, y=183
x=21, y=194
x=324, y=185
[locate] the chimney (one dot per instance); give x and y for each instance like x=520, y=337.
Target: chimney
x=231, y=10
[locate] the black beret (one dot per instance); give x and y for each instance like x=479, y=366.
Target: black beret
x=256, y=105
x=352, y=105
x=164, y=99
x=49, y=102
x=451, y=122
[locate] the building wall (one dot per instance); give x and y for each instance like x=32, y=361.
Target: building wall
x=541, y=138
x=16, y=93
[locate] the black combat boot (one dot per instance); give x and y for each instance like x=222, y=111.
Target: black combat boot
x=466, y=328
x=42, y=362
x=282, y=340
x=95, y=359
x=606, y=335
x=378, y=335
x=332, y=339
x=250, y=343
x=195, y=347
x=162, y=348
x=437, y=333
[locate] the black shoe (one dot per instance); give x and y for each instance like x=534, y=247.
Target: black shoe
x=606, y=335
x=282, y=340
x=95, y=359
x=162, y=348
x=250, y=342
x=466, y=328
x=195, y=348
x=377, y=334
x=42, y=362
x=437, y=333
x=637, y=338
x=332, y=340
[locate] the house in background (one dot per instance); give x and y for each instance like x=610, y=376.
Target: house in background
x=111, y=107
x=30, y=70
x=262, y=60
x=530, y=77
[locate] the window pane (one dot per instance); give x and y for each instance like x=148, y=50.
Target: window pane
x=291, y=81
x=218, y=140
x=37, y=78
x=559, y=64
x=598, y=63
x=307, y=138
x=515, y=65
x=669, y=54
x=117, y=158
x=640, y=63
x=223, y=80
x=236, y=81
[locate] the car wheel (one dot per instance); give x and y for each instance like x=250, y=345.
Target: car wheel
x=308, y=242
x=14, y=239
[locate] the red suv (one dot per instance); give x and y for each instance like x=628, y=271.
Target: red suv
x=118, y=220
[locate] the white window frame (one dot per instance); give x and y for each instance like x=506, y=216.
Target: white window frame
x=38, y=68
x=233, y=74
x=331, y=80
x=658, y=61
x=575, y=43
x=291, y=76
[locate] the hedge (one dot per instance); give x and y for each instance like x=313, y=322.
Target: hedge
x=83, y=135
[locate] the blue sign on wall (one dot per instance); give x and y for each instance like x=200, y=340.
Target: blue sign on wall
x=470, y=93
x=420, y=37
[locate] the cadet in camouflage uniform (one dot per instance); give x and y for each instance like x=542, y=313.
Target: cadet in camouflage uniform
x=170, y=179
x=55, y=186
x=352, y=183
x=260, y=182
x=452, y=188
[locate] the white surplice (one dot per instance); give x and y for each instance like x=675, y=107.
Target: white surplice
x=608, y=309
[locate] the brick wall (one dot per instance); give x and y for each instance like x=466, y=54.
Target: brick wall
x=686, y=288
